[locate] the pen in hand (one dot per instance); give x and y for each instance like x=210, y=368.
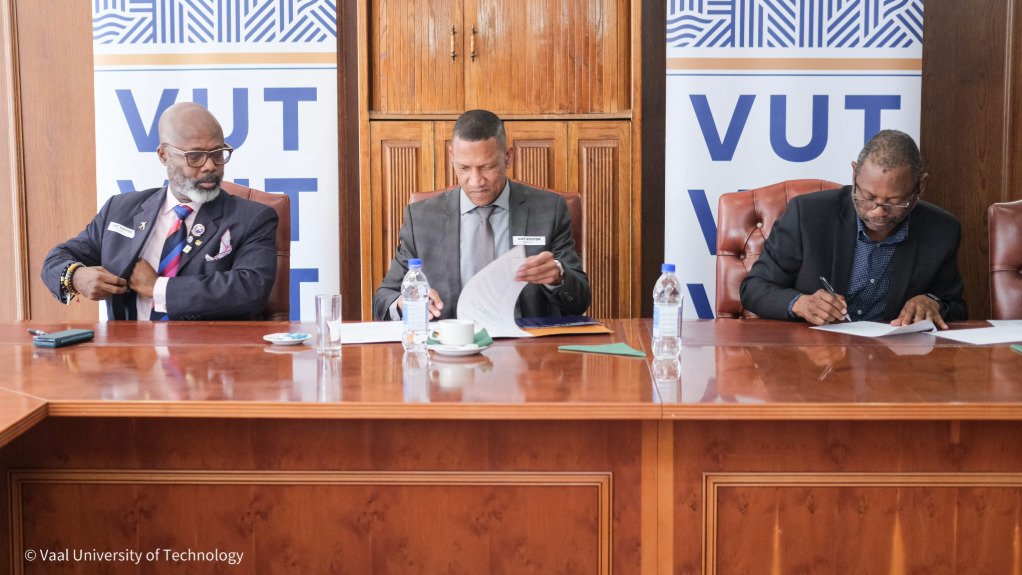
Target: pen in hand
x=830, y=290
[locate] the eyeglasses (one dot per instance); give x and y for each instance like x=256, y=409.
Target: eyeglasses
x=870, y=205
x=197, y=158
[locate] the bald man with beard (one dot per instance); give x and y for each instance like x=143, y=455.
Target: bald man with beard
x=184, y=251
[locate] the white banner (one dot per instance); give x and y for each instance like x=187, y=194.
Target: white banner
x=267, y=70
x=761, y=91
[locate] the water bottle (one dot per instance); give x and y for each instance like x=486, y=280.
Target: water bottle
x=667, y=304
x=415, y=309
x=415, y=376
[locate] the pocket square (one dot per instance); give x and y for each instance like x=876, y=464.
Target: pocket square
x=225, y=247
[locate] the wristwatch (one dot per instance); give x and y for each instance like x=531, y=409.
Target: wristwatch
x=560, y=268
x=943, y=304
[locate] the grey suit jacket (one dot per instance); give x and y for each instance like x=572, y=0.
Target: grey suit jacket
x=431, y=232
x=235, y=286
x=815, y=236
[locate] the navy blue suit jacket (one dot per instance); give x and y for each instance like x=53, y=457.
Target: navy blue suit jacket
x=235, y=286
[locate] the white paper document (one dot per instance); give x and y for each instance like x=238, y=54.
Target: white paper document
x=876, y=329
x=1006, y=323
x=489, y=297
x=371, y=332
x=1002, y=332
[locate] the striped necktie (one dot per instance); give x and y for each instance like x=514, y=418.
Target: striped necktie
x=170, y=258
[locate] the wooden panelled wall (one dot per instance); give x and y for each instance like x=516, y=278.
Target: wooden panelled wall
x=971, y=132
x=47, y=147
x=564, y=78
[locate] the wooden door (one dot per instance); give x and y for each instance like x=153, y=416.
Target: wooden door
x=538, y=157
x=547, y=56
x=599, y=168
x=401, y=162
x=442, y=132
x=411, y=68
x=539, y=153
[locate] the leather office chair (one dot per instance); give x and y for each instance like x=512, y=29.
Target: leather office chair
x=1004, y=222
x=573, y=199
x=744, y=220
x=278, y=306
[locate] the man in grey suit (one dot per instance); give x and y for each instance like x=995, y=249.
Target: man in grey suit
x=457, y=232
x=869, y=251
x=183, y=251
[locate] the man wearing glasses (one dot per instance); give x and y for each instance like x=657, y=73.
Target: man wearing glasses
x=870, y=251
x=184, y=251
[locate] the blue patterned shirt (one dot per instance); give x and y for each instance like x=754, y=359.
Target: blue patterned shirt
x=870, y=278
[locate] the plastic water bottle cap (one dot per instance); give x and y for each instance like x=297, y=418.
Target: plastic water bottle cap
x=415, y=263
x=667, y=268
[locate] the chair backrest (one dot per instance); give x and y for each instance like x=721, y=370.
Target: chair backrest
x=744, y=220
x=1004, y=222
x=573, y=199
x=278, y=306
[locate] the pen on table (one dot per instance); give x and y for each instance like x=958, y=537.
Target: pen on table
x=36, y=331
x=830, y=290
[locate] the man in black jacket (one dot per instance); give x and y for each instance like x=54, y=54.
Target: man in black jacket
x=888, y=255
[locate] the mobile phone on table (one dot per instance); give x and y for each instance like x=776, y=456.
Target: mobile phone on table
x=62, y=338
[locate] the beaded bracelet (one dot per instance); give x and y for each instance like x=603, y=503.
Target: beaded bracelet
x=66, y=280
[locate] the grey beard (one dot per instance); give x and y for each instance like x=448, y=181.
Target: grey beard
x=200, y=196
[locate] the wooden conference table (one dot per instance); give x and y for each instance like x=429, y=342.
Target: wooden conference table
x=776, y=449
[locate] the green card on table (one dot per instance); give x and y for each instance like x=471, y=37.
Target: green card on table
x=607, y=349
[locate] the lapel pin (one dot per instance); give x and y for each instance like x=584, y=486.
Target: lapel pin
x=198, y=242
x=141, y=226
x=198, y=230
x=187, y=249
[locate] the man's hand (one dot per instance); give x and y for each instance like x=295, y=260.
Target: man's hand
x=143, y=278
x=539, y=269
x=435, y=304
x=820, y=308
x=919, y=308
x=96, y=283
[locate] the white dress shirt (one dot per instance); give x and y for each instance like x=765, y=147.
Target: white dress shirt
x=154, y=247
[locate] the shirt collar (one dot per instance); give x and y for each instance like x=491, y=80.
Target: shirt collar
x=170, y=202
x=899, y=235
x=502, y=201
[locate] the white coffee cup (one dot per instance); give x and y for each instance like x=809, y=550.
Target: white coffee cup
x=455, y=331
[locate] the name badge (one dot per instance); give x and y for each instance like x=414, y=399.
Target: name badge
x=529, y=240
x=119, y=229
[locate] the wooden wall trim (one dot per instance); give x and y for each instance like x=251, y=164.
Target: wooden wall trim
x=649, y=101
x=1011, y=185
x=971, y=109
x=349, y=150
x=58, y=140
x=14, y=294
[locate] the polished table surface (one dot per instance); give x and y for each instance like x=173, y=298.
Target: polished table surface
x=767, y=443
x=729, y=369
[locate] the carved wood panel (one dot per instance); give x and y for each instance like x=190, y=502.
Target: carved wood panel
x=599, y=165
x=539, y=154
x=401, y=161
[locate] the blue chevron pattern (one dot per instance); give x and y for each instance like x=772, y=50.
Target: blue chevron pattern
x=794, y=23
x=213, y=21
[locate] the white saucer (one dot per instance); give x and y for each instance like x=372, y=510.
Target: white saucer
x=293, y=338
x=456, y=350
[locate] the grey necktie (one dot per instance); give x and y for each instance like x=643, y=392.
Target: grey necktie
x=483, y=248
